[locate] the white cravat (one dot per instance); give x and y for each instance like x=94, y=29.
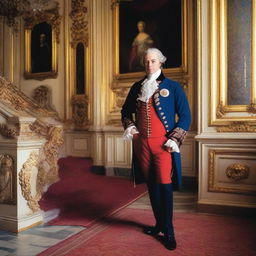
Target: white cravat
x=149, y=86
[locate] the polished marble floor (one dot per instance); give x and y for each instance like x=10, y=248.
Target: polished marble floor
x=35, y=240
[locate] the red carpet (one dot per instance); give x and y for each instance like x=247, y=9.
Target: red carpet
x=83, y=196
x=196, y=234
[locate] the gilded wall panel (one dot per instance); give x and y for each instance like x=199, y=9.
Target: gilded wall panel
x=232, y=171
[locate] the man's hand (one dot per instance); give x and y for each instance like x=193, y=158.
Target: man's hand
x=168, y=149
x=134, y=131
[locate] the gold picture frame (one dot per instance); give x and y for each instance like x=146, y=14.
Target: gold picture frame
x=41, y=39
x=180, y=67
x=240, y=116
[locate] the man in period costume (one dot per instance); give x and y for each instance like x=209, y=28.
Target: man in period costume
x=156, y=116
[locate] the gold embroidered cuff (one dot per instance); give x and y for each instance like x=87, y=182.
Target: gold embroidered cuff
x=178, y=135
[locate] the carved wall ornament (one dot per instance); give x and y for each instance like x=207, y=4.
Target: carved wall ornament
x=42, y=98
x=16, y=99
x=7, y=132
x=25, y=181
x=238, y=127
x=46, y=163
x=121, y=94
x=252, y=108
x=211, y=168
x=50, y=15
x=238, y=172
x=50, y=150
x=6, y=179
x=80, y=110
x=11, y=94
x=79, y=29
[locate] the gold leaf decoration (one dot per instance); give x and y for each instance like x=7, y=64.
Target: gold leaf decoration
x=238, y=172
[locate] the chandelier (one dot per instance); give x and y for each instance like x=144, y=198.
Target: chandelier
x=11, y=9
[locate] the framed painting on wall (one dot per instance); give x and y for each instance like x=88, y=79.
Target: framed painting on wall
x=41, y=38
x=139, y=25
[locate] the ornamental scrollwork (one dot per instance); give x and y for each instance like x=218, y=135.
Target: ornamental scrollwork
x=6, y=179
x=25, y=181
x=238, y=172
x=221, y=110
x=50, y=150
x=252, y=108
x=79, y=29
x=120, y=96
x=11, y=95
x=80, y=110
x=50, y=16
x=9, y=133
x=237, y=127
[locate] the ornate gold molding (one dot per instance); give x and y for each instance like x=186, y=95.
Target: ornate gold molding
x=211, y=176
x=53, y=19
x=80, y=111
x=121, y=94
x=187, y=39
x=252, y=108
x=50, y=16
x=238, y=171
x=46, y=163
x=49, y=154
x=17, y=100
x=7, y=132
x=79, y=29
x=25, y=182
x=238, y=127
x=221, y=110
x=7, y=195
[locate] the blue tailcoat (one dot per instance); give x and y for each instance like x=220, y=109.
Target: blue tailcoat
x=169, y=101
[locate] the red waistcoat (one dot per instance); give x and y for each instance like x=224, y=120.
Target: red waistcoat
x=148, y=122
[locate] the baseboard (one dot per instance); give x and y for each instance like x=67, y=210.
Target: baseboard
x=99, y=169
x=226, y=210
x=15, y=225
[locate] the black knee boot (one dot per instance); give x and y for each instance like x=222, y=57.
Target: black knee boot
x=167, y=215
x=155, y=200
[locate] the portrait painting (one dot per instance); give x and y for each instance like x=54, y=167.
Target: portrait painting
x=143, y=24
x=41, y=48
x=41, y=38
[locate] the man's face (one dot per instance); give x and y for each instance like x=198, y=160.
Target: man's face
x=152, y=63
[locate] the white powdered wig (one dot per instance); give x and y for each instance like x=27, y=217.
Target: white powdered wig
x=159, y=54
